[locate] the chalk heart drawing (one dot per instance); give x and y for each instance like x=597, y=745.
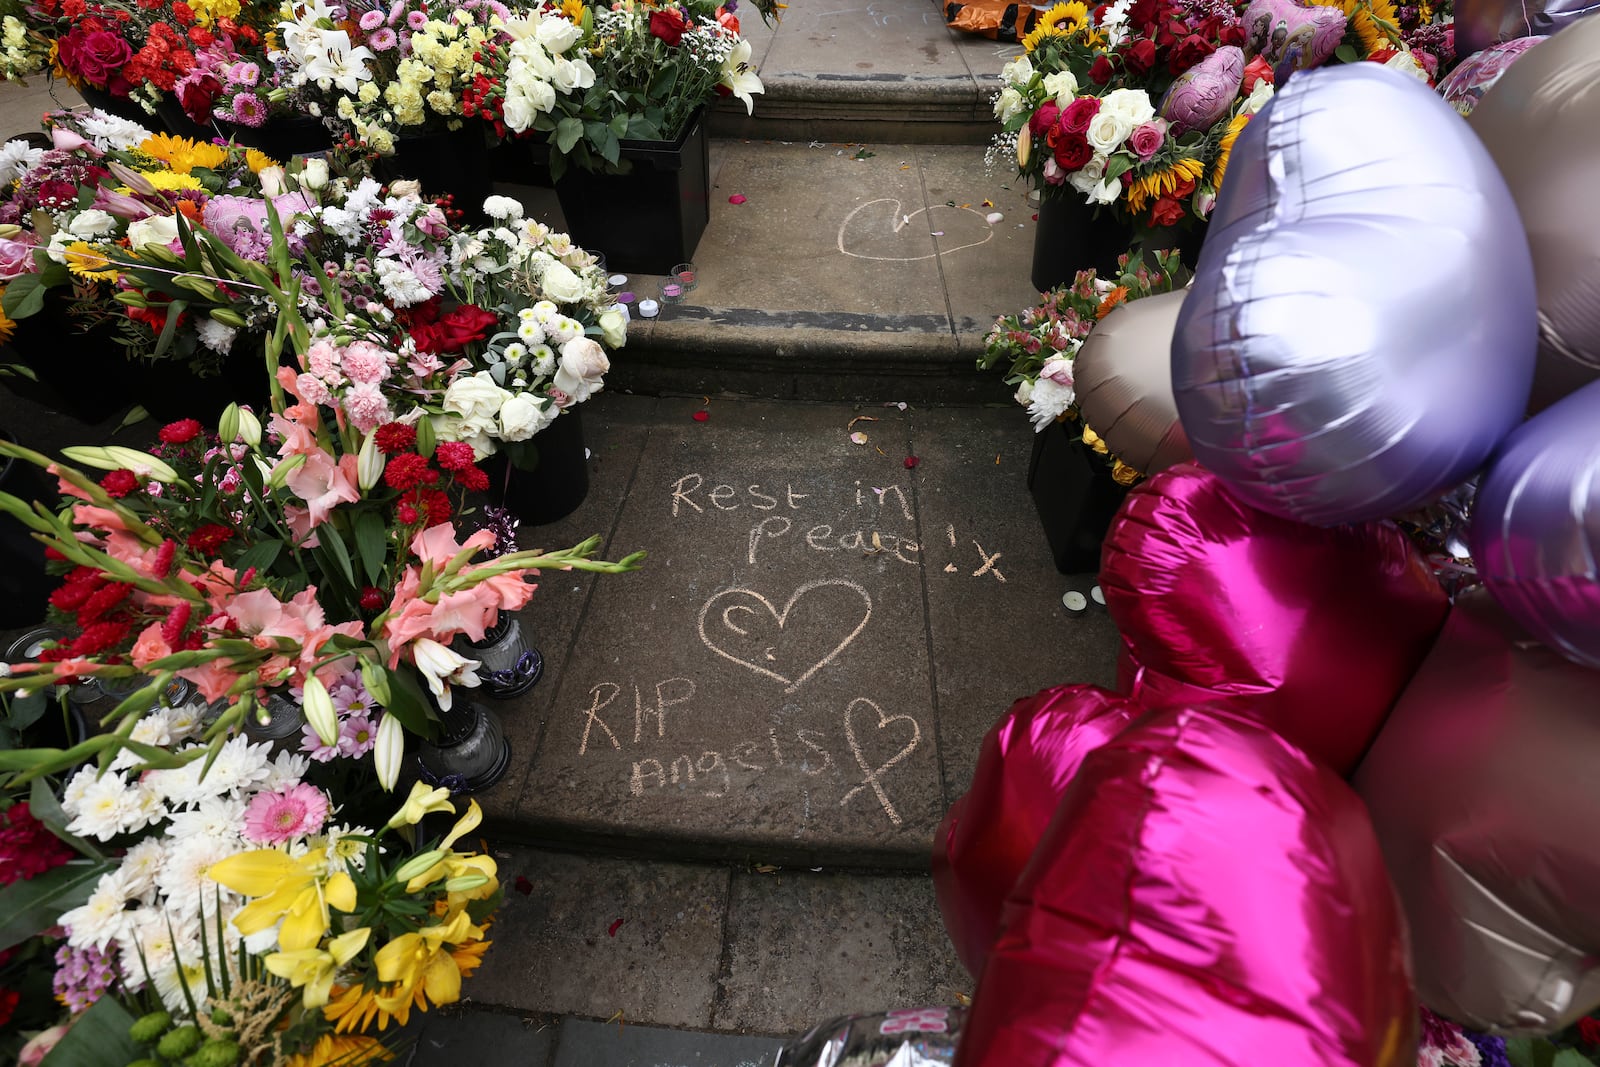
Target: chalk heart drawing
x=878, y=218
x=739, y=611
x=874, y=775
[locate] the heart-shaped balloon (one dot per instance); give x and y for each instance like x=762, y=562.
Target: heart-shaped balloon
x=1539, y=124
x=1026, y=761
x=1322, y=374
x=1277, y=27
x=1478, y=73
x=1202, y=95
x=1313, y=632
x=1123, y=377
x=1536, y=526
x=1207, y=895
x=1481, y=787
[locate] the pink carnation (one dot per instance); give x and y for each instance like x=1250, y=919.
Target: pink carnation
x=365, y=362
x=313, y=390
x=274, y=818
x=367, y=407
x=322, y=359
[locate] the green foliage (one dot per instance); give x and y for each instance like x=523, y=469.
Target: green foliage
x=35, y=904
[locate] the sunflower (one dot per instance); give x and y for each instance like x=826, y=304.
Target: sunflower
x=1063, y=20
x=182, y=154
x=1375, y=22
x=1225, y=149
x=1153, y=186
x=346, y=1050
x=258, y=161
x=84, y=261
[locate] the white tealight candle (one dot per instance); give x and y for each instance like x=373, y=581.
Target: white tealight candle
x=648, y=308
x=1075, y=602
x=617, y=281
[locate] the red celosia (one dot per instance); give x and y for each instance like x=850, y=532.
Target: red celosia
x=101, y=601
x=27, y=847
x=396, y=437
x=164, y=556
x=207, y=539
x=408, y=471
x=98, y=638
x=173, y=626
x=471, y=479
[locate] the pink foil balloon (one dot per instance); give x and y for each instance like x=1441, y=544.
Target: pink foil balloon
x=1202, y=95
x=1478, y=73
x=1277, y=28
x=1481, y=787
x=1207, y=896
x=1312, y=631
x=1026, y=761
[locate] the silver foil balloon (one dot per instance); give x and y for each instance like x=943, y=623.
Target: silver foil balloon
x=1123, y=377
x=1482, y=23
x=1481, y=788
x=1536, y=526
x=1328, y=364
x=1540, y=123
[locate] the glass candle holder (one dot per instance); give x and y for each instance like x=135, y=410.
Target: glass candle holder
x=671, y=292
x=684, y=275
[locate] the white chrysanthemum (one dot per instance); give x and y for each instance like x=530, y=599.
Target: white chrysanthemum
x=76, y=788
x=286, y=769
x=214, y=335
x=503, y=207
x=16, y=158
x=103, y=917
x=187, y=721
x=144, y=808
x=110, y=132
x=141, y=864
x=154, y=729
x=190, y=970
x=563, y=329
x=545, y=311
x=103, y=808
x=218, y=817
x=1049, y=401
x=240, y=764
x=400, y=285
x=544, y=361
x=183, y=878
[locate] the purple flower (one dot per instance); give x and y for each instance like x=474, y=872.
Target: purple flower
x=82, y=975
x=312, y=745
x=357, y=736
x=1492, y=1050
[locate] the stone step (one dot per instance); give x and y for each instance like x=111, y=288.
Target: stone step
x=803, y=669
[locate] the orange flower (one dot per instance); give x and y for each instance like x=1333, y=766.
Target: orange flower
x=1113, y=298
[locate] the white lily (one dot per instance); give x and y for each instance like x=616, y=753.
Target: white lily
x=739, y=77
x=317, y=703
x=333, y=61
x=387, y=751
x=443, y=668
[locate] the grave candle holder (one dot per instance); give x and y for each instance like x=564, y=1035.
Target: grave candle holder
x=471, y=752
x=508, y=664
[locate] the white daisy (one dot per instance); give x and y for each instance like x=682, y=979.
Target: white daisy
x=16, y=158
x=76, y=788
x=103, y=917
x=141, y=864
x=103, y=808
x=183, y=876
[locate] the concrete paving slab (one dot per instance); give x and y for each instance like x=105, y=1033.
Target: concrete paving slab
x=866, y=40
x=594, y=936
x=484, y=1039
x=805, y=947
x=615, y=428
x=979, y=509
x=593, y=1044
x=764, y=688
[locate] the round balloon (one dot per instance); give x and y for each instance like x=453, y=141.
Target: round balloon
x=1209, y=896
x=1481, y=787
x=1476, y=75
x=1123, y=377
x=1313, y=632
x=1026, y=761
x=1483, y=23
x=1536, y=526
x=1539, y=124
x=1326, y=376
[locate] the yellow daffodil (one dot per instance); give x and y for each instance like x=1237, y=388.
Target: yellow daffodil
x=421, y=960
x=296, y=890
x=314, y=968
x=422, y=801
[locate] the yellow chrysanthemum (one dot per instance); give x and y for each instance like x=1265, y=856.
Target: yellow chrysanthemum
x=1142, y=191
x=1235, y=127
x=86, y=262
x=258, y=161
x=182, y=154
x=1062, y=20
x=166, y=180
x=347, y=1050
x=1375, y=21
x=572, y=10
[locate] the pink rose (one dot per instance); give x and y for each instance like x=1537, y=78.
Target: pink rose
x=150, y=646
x=1147, y=139
x=1053, y=174
x=16, y=256
x=1075, y=119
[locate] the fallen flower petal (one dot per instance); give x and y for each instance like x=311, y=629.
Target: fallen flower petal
x=523, y=886
x=860, y=418
x=612, y=930
x=859, y=438
x=993, y=217
x=737, y=198
x=912, y=461
x=701, y=416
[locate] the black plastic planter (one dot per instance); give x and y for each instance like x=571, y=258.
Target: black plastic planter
x=554, y=487
x=1075, y=496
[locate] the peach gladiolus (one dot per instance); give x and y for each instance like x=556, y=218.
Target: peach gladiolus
x=438, y=543
x=324, y=484
x=150, y=646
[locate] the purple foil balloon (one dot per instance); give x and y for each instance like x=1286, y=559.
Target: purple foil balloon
x=1278, y=28
x=1202, y=95
x=1536, y=526
x=1325, y=364
x=1481, y=787
x=1482, y=23
x=1478, y=73
x=1206, y=896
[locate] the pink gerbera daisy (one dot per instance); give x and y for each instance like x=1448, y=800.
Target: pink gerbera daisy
x=273, y=818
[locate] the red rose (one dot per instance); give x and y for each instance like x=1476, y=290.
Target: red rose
x=1075, y=119
x=93, y=55
x=1101, y=70
x=1187, y=52
x=668, y=24
x=1166, y=212
x=464, y=325
x=1257, y=70
x=198, y=96
x=1139, y=57
x=1044, y=118
x=1589, y=1030
x=1072, y=151
x=1233, y=35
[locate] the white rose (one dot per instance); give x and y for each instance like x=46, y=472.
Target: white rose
x=518, y=113
x=1106, y=192
x=155, y=230
x=582, y=364
x=560, y=284
x=1086, y=177
x=557, y=34
x=1062, y=85
x=273, y=181
x=1132, y=104
x=528, y=57
x=1017, y=72
x=1263, y=92
x=1107, y=130
x=522, y=416
x=614, y=328
x=313, y=174
x=1024, y=392
x=92, y=223
x=540, y=96
x=570, y=75
x=475, y=397
x=1008, y=103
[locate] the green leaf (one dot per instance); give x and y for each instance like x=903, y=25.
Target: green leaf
x=426, y=438
x=169, y=331
x=1571, y=1057
x=24, y=296
x=1529, y=1052
x=1346, y=53
x=43, y=805
x=1119, y=165
x=261, y=556
x=100, y=1036
x=25, y=709
x=372, y=543
x=568, y=131
x=36, y=904
x=329, y=537
x=619, y=125
x=610, y=147
x=407, y=703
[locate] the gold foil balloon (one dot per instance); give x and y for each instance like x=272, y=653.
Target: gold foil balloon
x=1123, y=376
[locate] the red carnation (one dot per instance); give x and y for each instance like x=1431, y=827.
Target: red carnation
x=453, y=455
x=668, y=24
x=120, y=483
x=172, y=628
x=1075, y=119
x=177, y=433
x=101, y=601
x=396, y=437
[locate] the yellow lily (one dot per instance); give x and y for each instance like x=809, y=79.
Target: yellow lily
x=455, y=865
x=298, y=891
x=314, y=968
x=422, y=801
x=442, y=869
x=420, y=958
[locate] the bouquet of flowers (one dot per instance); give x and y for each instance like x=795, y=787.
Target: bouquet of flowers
x=1039, y=344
